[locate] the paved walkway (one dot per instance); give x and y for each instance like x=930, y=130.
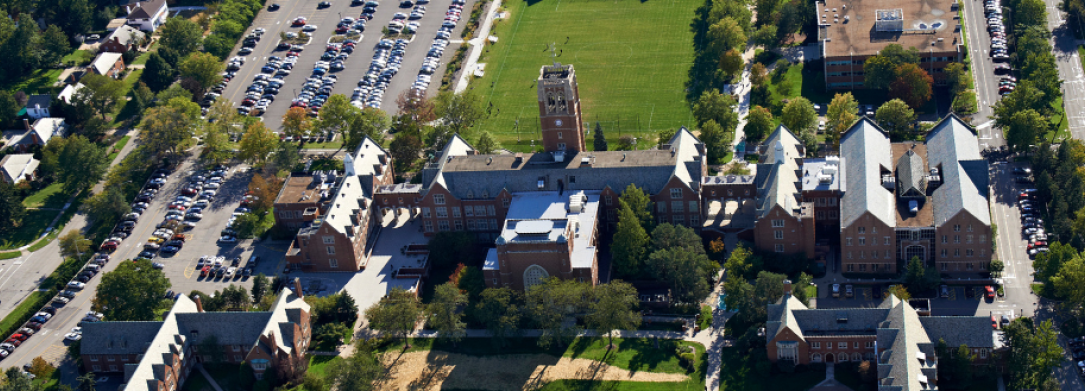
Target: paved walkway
x=477, y=45
x=215, y=385
x=830, y=383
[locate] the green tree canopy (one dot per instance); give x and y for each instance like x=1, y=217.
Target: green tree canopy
x=759, y=124
x=100, y=93
x=799, y=115
x=444, y=312
x=550, y=303
x=132, y=292
x=895, y=116
x=841, y=113
x=725, y=35
x=486, y=143
x=396, y=313
x=1025, y=128
x=614, y=308
x=913, y=85
x=599, y=141
x=712, y=105
x=499, y=310
x=180, y=35
x=682, y=270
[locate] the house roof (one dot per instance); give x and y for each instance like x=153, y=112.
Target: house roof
x=118, y=337
x=69, y=91
x=911, y=175
x=467, y=176
x=42, y=101
x=45, y=129
x=125, y=34
x=15, y=166
x=146, y=9
x=104, y=62
x=952, y=147
x=865, y=147
x=777, y=176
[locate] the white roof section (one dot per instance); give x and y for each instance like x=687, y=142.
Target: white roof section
x=780, y=167
x=824, y=174
x=286, y=300
x=543, y=217
x=865, y=147
x=69, y=91
x=15, y=167
x=104, y=62
x=367, y=159
x=124, y=35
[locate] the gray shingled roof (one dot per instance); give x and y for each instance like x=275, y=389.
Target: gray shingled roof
x=865, y=147
x=777, y=182
x=958, y=330
x=244, y=327
x=911, y=175
x=107, y=337
x=952, y=146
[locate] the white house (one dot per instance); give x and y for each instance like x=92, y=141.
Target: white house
x=69, y=91
x=37, y=106
x=147, y=15
x=38, y=134
x=15, y=168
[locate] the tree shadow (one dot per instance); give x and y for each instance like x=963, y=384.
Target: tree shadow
x=647, y=356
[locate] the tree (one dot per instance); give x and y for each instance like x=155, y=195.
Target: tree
x=731, y=63
x=957, y=77
x=919, y=277
x=1033, y=352
x=80, y=162
x=667, y=235
x=415, y=106
x=16, y=380
x=23, y=48
x=1030, y=13
x=8, y=109
x=368, y=122
x=357, y=372
x=297, y=124
x=913, y=85
x=682, y=271
x=73, y=244
x=264, y=189
x=41, y=368
x=900, y=292
x=899, y=55
x=460, y=112
x=86, y=381
x=599, y=139
x=396, y=313
x=1071, y=273
x=758, y=74
x=444, y=312
x=799, y=287
x=204, y=68
x=626, y=143
x=132, y=292
x=142, y=97
x=257, y=143
x=895, y=116
x=964, y=103
x=630, y=243
x=100, y=93
x=55, y=45
x=486, y=143
x=717, y=141
x=759, y=124
x=335, y=116
x=550, y=303
x=500, y=312
x=223, y=121
x=166, y=127
x=106, y=206
x=879, y=72
x=799, y=115
x=173, y=91
x=841, y=113
x=405, y=149
x=332, y=333
x=725, y=35
x=765, y=36
x=1024, y=128
x=180, y=35
x=613, y=308
x=712, y=105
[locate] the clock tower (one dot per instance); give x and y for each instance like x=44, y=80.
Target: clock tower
x=560, y=120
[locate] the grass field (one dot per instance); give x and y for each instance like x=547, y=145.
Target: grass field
x=34, y=224
x=632, y=63
x=51, y=196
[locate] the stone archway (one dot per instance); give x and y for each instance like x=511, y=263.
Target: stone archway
x=829, y=357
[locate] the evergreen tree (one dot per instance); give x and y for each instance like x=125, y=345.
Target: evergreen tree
x=600, y=139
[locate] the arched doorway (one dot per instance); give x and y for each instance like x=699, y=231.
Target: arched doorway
x=829, y=357
x=816, y=357
x=534, y=275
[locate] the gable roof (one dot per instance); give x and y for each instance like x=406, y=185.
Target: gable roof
x=69, y=91
x=865, y=147
x=145, y=9
x=777, y=176
x=911, y=175
x=104, y=62
x=124, y=35
x=15, y=166
x=952, y=147
x=42, y=101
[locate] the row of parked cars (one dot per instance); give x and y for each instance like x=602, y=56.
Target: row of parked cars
x=217, y=267
x=387, y=59
x=999, y=49
x=437, y=48
x=1077, y=350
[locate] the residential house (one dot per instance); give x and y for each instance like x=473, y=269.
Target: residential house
x=121, y=40
x=160, y=355
x=18, y=167
x=37, y=106
x=107, y=64
x=147, y=15
x=38, y=134
x=68, y=92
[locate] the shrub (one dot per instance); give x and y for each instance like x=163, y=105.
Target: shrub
x=867, y=372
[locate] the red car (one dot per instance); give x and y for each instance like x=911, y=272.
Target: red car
x=204, y=271
x=178, y=207
x=994, y=323
x=990, y=294
x=109, y=246
x=21, y=337
x=298, y=22
x=292, y=54
x=248, y=102
x=342, y=29
x=14, y=341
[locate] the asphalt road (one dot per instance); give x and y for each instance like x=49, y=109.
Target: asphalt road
x=358, y=63
x=1066, y=58
x=986, y=82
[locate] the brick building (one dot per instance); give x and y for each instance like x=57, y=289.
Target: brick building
x=302, y=196
x=906, y=200
x=784, y=221
x=850, y=31
x=160, y=355
x=893, y=335
x=335, y=236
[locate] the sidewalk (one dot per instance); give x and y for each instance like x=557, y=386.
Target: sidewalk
x=477, y=45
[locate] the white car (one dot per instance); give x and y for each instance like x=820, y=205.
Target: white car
x=73, y=336
x=228, y=239
x=61, y=300
x=76, y=285
x=309, y=27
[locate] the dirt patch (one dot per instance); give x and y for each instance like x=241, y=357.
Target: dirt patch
x=436, y=370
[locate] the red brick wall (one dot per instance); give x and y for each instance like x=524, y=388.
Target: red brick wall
x=689, y=200
x=957, y=232
x=863, y=244
x=794, y=235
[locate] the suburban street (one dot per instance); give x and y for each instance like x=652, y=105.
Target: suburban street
x=983, y=72
x=1065, y=45
x=358, y=63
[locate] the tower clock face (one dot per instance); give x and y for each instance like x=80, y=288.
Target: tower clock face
x=557, y=122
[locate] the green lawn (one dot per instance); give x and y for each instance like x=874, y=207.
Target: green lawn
x=632, y=61
x=80, y=57
x=117, y=147
x=737, y=373
x=34, y=224
x=39, y=82
x=51, y=196
x=142, y=59
x=1059, y=122
x=11, y=254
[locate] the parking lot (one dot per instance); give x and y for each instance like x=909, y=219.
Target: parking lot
x=356, y=65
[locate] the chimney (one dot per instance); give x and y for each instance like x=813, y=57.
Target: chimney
x=787, y=287
x=26, y=122
x=199, y=304
x=297, y=288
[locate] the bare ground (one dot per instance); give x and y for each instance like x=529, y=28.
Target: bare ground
x=436, y=370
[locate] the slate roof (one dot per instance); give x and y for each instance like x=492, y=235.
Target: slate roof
x=244, y=327
x=955, y=330
x=777, y=176
x=146, y=9
x=464, y=174
x=911, y=175
x=42, y=101
x=865, y=147
x=952, y=147
x=106, y=337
